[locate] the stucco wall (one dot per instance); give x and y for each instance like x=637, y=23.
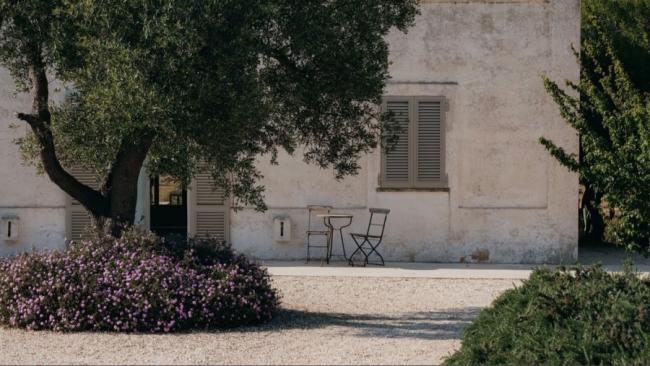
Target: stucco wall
x=38, y=203
x=508, y=200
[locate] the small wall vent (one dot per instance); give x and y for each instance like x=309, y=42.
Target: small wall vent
x=282, y=228
x=10, y=227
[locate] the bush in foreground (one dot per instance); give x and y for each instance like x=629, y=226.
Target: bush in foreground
x=577, y=317
x=134, y=283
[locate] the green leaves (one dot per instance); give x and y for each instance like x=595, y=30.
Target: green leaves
x=574, y=316
x=612, y=115
x=220, y=82
x=25, y=27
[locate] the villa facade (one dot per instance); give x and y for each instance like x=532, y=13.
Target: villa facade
x=468, y=181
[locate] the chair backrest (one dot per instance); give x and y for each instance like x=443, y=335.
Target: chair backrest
x=316, y=223
x=377, y=222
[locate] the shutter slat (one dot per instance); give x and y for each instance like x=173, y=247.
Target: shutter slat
x=429, y=149
x=207, y=193
x=211, y=224
x=397, y=159
x=211, y=211
x=79, y=219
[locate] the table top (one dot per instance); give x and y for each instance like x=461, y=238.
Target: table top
x=334, y=216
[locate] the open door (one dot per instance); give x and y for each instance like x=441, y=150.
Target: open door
x=208, y=209
x=168, y=207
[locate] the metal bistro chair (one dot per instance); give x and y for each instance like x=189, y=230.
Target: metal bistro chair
x=367, y=243
x=315, y=227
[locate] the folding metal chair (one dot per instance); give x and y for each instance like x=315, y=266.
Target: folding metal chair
x=315, y=227
x=367, y=243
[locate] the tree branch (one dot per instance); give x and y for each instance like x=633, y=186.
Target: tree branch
x=30, y=119
x=39, y=121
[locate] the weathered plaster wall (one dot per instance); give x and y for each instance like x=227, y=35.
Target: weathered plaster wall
x=508, y=200
x=38, y=203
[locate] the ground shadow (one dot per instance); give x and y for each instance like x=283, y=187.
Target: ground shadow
x=430, y=325
x=608, y=255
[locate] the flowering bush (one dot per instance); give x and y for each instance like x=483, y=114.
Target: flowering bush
x=134, y=283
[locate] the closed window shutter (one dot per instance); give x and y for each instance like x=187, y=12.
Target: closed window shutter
x=429, y=142
x=209, y=209
x=396, y=160
x=78, y=220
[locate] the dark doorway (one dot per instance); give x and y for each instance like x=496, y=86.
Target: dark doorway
x=168, y=207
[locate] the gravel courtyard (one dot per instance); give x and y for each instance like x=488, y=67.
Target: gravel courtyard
x=325, y=320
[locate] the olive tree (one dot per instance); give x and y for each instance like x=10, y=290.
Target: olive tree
x=197, y=84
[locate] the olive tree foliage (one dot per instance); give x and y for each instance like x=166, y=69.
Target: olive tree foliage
x=197, y=84
x=612, y=116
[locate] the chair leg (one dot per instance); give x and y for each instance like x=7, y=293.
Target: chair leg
x=328, y=250
x=343, y=244
x=308, y=243
x=374, y=250
x=366, y=261
x=365, y=255
x=380, y=258
x=359, y=249
x=328, y=247
x=362, y=250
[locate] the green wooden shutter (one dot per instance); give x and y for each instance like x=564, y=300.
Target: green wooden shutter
x=209, y=209
x=396, y=169
x=77, y=218
x=429, y=162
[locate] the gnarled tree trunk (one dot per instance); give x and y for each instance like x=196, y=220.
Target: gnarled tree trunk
x=123, y=180
x=117, y=199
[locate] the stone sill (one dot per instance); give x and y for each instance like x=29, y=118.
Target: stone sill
x=415, y=189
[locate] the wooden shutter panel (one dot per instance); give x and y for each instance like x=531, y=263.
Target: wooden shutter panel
x=77, y=218
x=209, y=209
x=396, y=161
x=429, y=151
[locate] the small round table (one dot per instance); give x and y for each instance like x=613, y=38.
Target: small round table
x=327, y=221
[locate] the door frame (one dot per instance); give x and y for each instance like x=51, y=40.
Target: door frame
x=143, y=206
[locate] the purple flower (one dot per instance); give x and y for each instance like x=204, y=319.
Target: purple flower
x=135, y=283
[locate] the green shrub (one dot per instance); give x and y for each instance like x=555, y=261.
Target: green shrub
x=610, y=110
x=574, y=316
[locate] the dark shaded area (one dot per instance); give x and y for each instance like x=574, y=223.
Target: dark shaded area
x=429, y=325
x=168, y=208
x=608, y=255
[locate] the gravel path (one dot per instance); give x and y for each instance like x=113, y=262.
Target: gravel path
x=326, y=320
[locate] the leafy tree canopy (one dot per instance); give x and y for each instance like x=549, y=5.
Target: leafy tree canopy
x=612, y=115
x=191, y=82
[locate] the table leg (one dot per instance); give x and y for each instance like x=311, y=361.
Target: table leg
x=328, y=249
x=330, y=242
x=343, y=244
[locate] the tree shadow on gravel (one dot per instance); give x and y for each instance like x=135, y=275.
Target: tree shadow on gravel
x=431, y=325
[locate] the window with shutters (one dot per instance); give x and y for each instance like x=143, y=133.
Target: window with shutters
x=417, y=160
